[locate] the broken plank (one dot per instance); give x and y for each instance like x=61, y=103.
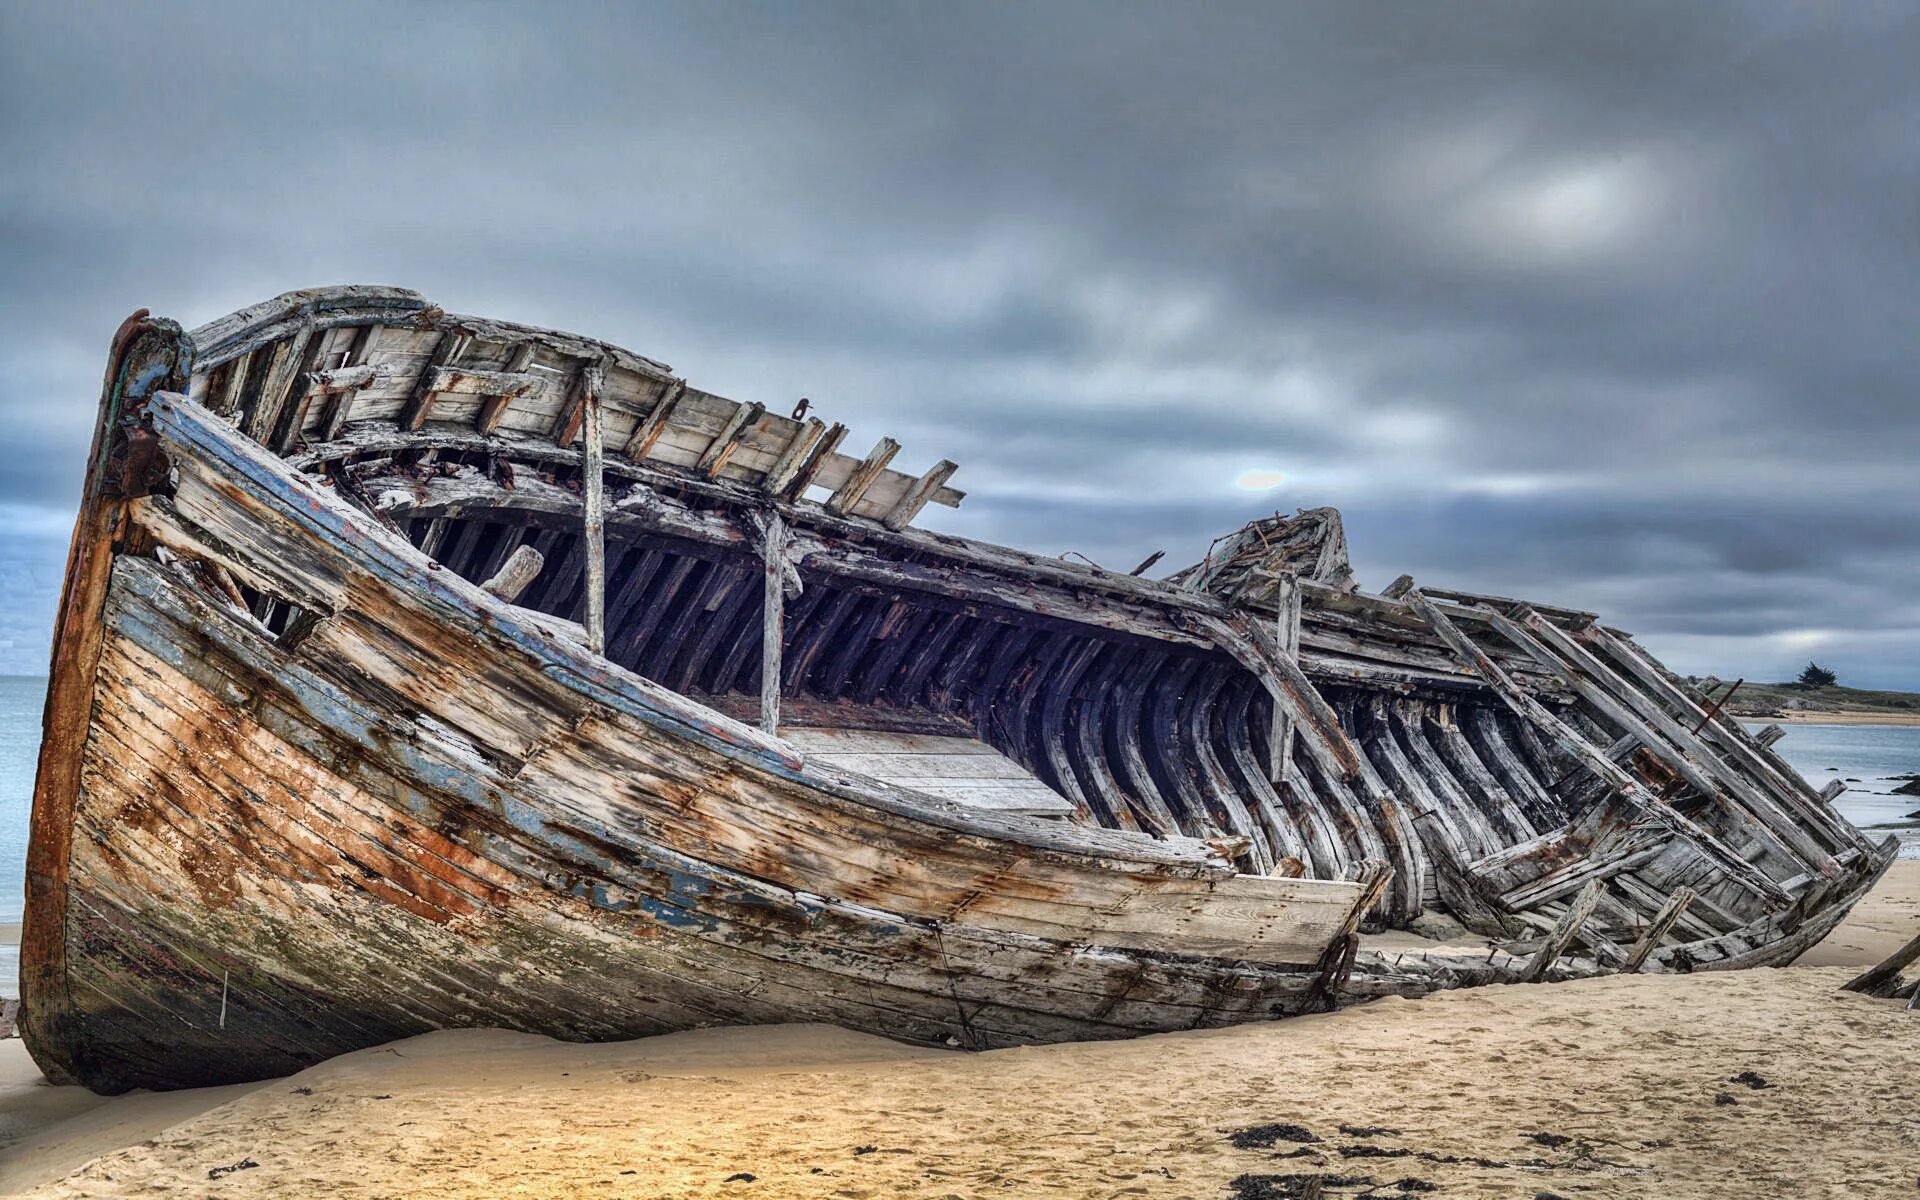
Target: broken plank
x=365, y=342
x=918, y=494
x=1591, y=756
x=848, y=493
x=522, y=567
x=447, y=351
x=714, y=458
x=1657, y=929
x=813, y=462
x=1564, y=931
x=494, y=408
x=648, y=431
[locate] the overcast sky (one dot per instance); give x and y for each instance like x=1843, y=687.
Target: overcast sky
x=1607, y=305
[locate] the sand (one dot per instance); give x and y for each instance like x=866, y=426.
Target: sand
x=1609, y=1087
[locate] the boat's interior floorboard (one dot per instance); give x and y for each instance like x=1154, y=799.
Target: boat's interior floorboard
x=962, y=769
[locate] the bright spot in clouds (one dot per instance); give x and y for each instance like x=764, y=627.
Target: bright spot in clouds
x=1259, y=479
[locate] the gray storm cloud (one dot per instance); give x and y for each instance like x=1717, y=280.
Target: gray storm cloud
x=1606, y=305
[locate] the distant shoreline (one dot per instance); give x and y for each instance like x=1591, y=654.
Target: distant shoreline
x=1799, y=717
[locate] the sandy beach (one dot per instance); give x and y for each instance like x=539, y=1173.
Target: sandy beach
x=1754, y=1083
x=1802, y=717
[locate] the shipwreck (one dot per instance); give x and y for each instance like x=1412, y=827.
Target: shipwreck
x=417, y=670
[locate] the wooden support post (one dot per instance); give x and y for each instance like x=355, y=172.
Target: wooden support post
x=596, y=510
x=1832, y=791
x=1287, y=633
x=1564, y=931
x=1881, y=980
x=773, y=551
x=522, y=567
x=1662, y=922
x=1769, y=735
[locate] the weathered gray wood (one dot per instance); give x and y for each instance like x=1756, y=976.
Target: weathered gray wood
x=1257, y=650
x=1769, y=735
x=1832, y=791
x=641, y=775
x=813, y=463
x=366, y=343
x=848, y=494
x=1398, y=588
x=595, y=525
x=961, y=769
x=715, y=457
x=1728, y=735
x=1657, y=929
x=1668, y=739
x=522, y=567
x=1564, y=931
x=289, y=359
x=798, y=451
x=513, y=378
x=915, y=498
x=236, y=384
x=1883, y=977
x=341, y=378
x=471, y=381
x=1287, y=634
x=447, y=351
x=1591, y=756
x=648, y=431
x=773, y=560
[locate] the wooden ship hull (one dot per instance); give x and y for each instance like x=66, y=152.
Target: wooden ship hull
x=418, y=671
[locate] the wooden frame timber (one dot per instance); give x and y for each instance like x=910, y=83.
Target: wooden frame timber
x=385, y=699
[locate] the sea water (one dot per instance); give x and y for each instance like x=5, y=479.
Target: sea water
x=20, y=699
x=1866, y=756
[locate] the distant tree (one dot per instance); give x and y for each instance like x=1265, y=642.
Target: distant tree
x=1817, y=676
